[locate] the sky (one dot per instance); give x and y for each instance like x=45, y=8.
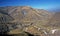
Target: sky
x=40, y=4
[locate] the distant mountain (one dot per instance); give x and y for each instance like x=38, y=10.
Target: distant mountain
x=57, y=9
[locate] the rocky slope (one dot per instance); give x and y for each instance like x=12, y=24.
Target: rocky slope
x=55, y=20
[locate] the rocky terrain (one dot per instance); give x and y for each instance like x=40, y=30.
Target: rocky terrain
x=27, y=20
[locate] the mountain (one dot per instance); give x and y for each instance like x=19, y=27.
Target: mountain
x=57, y=9
x=25, y=13
x=28, y=19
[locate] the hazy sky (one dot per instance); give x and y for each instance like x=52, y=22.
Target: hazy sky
x=41, y=4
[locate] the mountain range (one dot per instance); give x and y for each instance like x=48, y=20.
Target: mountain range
x=22, y=17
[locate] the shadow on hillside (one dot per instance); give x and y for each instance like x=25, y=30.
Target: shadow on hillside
x=4, y=34
x=22, y=34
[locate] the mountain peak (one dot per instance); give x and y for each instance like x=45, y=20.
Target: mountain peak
x=26, y=7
